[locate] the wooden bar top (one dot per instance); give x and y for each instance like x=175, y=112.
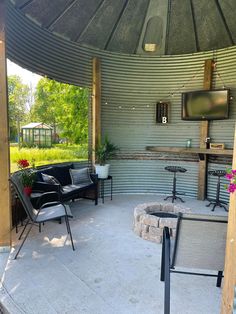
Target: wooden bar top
x=183, y=150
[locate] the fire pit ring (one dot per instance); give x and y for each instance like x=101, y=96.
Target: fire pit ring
x=151, y=218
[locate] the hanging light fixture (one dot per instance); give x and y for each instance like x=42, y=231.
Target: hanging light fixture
x=153, y=35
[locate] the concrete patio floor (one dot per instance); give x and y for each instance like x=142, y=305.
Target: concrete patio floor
x=112, y=271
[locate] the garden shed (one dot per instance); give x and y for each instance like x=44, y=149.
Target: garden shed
x=36, y=134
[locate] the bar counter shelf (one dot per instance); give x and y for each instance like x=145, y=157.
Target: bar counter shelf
x=183, y=150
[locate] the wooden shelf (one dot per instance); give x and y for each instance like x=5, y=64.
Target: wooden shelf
x=183, y=150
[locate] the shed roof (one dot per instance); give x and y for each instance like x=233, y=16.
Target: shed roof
x=36, y=125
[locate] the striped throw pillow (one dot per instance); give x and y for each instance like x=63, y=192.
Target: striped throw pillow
x=80, y=176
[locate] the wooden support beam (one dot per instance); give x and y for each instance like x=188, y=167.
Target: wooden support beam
x=204, y=129
x=5, y=208
x=96, y=106
x=230, y=256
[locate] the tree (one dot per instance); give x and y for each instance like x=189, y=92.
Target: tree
x=18, y=96
x=64, y=107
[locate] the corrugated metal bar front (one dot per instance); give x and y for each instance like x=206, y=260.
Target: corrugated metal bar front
x=149, y=176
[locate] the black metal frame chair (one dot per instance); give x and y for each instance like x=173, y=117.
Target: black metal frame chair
x=193, y=249
x=48, y=211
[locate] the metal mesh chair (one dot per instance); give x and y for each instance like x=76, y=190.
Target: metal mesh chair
x=48, y=211
x=199, y=244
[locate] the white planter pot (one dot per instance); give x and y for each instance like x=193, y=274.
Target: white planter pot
x=102, y=171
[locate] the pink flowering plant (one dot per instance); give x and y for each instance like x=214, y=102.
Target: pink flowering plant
x=231, y=175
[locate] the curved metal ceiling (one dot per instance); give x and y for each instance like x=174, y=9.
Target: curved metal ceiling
x=187, y=26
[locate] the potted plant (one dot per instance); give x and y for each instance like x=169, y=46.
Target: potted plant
x=27, y=175
x=104, y=152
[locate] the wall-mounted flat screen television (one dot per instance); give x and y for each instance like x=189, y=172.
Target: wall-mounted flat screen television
x=205, y=105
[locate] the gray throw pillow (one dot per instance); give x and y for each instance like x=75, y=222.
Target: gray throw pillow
x=49, y=179
x=80, y=176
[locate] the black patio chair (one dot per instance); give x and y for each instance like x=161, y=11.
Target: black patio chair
x=48, y=211
x=199, y=244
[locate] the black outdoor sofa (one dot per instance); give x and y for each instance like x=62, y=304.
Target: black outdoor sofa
x=61, y=182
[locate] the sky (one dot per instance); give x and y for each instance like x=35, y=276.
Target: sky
x=27, y=77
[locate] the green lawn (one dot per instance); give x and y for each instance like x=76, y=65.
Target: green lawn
x=42, y=156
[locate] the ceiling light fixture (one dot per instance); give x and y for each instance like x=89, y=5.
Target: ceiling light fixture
x=153, y=35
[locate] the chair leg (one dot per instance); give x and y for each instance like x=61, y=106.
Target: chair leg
x=167, y=292
x=219, y=279
x=167, y=272
x=24, y=229
x=69, y=231
x=23, y=241
x=163, y=260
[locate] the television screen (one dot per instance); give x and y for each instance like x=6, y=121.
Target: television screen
x=205, y=105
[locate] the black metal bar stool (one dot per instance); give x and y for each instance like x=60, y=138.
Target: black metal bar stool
x=175, y=169
x=217, y=202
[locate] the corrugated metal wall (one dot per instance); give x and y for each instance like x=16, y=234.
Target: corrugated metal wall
x=131, y=86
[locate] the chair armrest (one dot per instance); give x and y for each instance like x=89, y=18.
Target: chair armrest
x=94, y=177
x=49, y=204
x=47, y=197
x=46, y=187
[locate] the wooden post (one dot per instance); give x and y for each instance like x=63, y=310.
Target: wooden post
x=96, y=106
x=230, y=256
x=5, y=208
x=204, y=128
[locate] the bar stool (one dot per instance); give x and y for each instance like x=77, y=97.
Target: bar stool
x=217, y=202
x=175, y=169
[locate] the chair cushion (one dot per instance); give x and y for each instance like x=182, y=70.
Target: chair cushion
x=62, y=174
x=49, y=179
x=80, y=176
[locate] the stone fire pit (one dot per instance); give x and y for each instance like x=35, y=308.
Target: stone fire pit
x=149, y=226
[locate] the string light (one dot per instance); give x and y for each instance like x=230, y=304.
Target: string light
x=178, y=90
x=194, y=76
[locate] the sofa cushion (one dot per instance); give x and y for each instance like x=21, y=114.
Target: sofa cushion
x=80, y=176
x=62, y=174
x=73, y=188
x=48, y=170
x=49, y=179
